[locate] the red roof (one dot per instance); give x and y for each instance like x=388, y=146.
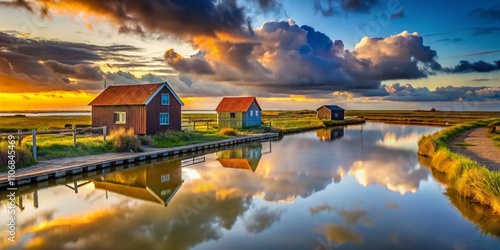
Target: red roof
x=139, y=94
x=236, y=104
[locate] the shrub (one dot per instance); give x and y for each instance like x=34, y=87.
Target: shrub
x=146, y=141
x=23, y=158
x=125, y=140
x=228, y=131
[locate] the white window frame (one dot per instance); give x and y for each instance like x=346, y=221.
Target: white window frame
x=256, y=113
x=162, y=121
x=251, y=113
x=165, y=178
x=122, y=117
x=167, y=99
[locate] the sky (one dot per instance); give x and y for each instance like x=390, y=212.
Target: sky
x=360, y=54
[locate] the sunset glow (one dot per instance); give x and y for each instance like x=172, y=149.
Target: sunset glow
x=292, y=55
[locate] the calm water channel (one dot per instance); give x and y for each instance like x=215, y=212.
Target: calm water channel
x=358, y=187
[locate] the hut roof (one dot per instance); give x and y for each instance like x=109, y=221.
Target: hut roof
x=140, y=94
x=141, y=193
x=331, y=107
x=236, y=104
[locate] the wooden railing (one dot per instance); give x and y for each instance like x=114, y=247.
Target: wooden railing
x=33, y=133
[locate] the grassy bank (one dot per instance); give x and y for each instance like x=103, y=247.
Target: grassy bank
x=485, y=219
x=422, y=116
x=61, y=146
x=466, y=177
x=10, y=124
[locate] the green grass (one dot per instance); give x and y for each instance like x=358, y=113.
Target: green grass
x=181, y=138
x=465, y=176
x=464, y=144
x=57, y=146
x=23, y=156
x=13, y=123
x=423, y=117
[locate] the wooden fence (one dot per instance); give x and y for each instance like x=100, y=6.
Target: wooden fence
x=193, y=123
x=33, y=133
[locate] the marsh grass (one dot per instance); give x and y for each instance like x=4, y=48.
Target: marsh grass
x=23, y=156
x=125, y=140
x=10, y=124
x=181, y=138
x=61, y=146
x=464, y=144
x=228, y=132
x=463, y=175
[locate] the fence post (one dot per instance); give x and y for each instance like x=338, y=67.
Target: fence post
x=207, y=125
x=194, y=125
x=19, y=137
x=33, y=134
x=74, y=135
x=104, y=133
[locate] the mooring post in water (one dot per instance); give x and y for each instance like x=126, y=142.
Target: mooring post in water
x=74, y=135
x=33, y=134
x=35, y=198
x=104, y=133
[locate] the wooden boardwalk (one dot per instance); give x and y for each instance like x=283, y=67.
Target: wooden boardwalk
x=58, y=168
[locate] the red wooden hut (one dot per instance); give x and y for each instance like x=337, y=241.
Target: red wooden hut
x=147, y=108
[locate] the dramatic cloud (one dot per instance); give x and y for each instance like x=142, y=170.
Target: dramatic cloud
x=466, y=66
x=185, y=18
x=193, y=65
x=36, y=65
x=285, y=58
x=332, y=7
x=269, y=5
x=80, y=71
x=407, y=92
x=492, y=13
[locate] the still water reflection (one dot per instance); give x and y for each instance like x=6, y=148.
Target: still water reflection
x=356, y=187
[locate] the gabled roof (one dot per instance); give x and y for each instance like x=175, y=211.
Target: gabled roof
x=236, y=163
x=140, y=94
x=331, y=107
x=141, y=193
x=236, y=104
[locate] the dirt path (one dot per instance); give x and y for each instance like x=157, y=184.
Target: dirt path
x=484, y=150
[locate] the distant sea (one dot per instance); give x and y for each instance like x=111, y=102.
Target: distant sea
x=76, y=113
x=55, y=113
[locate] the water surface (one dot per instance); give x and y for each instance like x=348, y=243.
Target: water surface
x=356, y=187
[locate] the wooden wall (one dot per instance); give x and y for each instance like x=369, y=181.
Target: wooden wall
x=154, y=109
x=143, y=119
x=135, y=117
x=324, y=114
x=225, y=121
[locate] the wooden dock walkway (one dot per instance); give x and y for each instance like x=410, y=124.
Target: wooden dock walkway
x=58, y=168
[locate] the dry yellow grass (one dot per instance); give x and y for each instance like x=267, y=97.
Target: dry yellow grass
x=466, y=177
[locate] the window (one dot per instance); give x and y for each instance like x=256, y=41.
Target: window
x=336, y=115
x=256, y=113
x=166, y=192
x=120, y=117
x=251, y=113
x=232, y=115
x=164, y=119
x=165, y=99
x=165, y=178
